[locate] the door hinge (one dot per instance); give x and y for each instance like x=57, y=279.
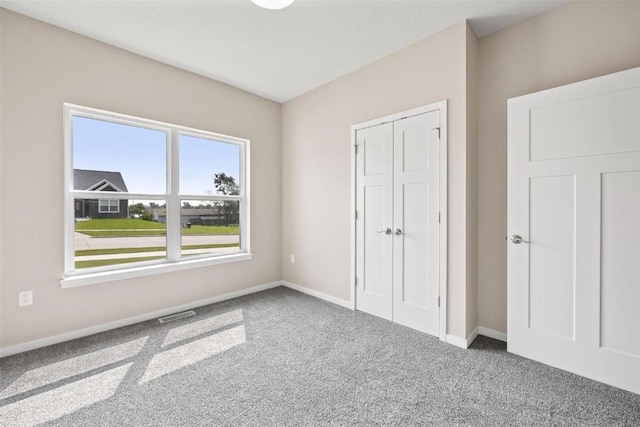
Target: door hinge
x=356, y=280
x=356, y=214
x=356, y=147
x=438, y=217
x=438, y=302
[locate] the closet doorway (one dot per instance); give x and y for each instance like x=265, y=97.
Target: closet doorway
x=399, y=221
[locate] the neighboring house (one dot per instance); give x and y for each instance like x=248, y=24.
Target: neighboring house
x=92, y=180
x=200, y=216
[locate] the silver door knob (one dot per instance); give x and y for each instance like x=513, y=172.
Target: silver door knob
x=399, y=232
x=517, y=239
x=386, y=231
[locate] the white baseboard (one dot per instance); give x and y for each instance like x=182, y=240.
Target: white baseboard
x=492, y=333
x=473, y=336
x=68, y=336
x=480, y=330
x=320, y=295
x=457, y=341
x=461, y=342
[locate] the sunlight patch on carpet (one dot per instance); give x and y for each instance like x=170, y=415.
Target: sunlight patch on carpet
x=195, y=329
x=188, y=354
x=55, y=372
x=63, y=400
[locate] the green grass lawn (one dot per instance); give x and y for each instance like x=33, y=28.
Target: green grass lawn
x=127, y=227
x=210, y=229
x=104, y=262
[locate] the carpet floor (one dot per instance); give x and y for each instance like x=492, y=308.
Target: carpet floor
x=282, y=358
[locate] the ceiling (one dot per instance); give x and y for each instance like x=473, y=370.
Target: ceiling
x=275, y=54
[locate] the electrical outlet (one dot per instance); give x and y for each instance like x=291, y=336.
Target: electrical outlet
x=25, y=298
x=293, y=259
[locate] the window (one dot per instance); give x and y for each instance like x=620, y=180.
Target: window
x=144, y=197
x=108, y=206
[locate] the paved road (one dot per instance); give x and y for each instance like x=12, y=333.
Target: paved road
x=82, y=241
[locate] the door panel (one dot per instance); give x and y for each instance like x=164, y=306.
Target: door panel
x=552, y=266
x=573, y=192
x=415, y=224
x=602, y=124
x=416, y=248
x=374, y=196
x=414, y=147
x=374, y=147
x=620, y=315
x=375, y=253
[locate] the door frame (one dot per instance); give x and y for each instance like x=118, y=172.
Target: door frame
x=440, y=106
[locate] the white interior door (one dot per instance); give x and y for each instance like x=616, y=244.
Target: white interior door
x=574, y=194
x=397, y=228
x=416, y=237
x=374, y=200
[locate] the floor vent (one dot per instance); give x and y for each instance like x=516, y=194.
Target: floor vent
x=177, y=316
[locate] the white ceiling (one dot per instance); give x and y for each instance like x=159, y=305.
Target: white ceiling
x=275, y=54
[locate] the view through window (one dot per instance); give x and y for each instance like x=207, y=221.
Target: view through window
x=147, y=192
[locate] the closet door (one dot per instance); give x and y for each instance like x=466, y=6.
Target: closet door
x=415, y=213
x=374, y=238
x=397, y=229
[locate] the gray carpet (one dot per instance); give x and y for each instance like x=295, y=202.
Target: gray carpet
x=282, y=358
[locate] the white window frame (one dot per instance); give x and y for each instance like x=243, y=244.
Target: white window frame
x=173, y=261
x=109, y=204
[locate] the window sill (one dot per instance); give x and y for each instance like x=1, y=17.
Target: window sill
x=148, y=270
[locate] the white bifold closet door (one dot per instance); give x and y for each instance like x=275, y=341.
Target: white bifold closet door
x=397, y=225
x=574, y=228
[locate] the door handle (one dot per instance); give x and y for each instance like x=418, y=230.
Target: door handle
x=386, y=231
x=517, y=239
x=398, y=232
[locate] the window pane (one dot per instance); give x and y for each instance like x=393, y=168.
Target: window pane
x=111, y=206
x=208, y=166
x=135, y=233
x=209, y=227
x=114, y=157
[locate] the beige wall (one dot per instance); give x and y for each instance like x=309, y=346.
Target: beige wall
x=1, y=207
x=472, y=183
x=44, y=66
x=575, y=42
x=316, y=154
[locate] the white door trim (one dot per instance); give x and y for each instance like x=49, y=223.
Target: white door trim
x=440, y=106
